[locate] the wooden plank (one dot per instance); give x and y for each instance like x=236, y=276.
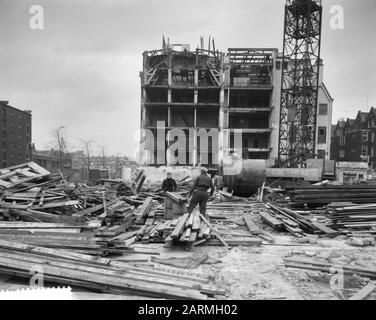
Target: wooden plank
x=255, y=230
x=45, y=217
x=35, y=225
x=196, y=222
x=175, y=196
x=180, y=227
x=235, y=242
x=189, y=222
x=145, y=208
x=57, y=204
x=272, y=221
x=215, y=231
x=104, y=278
x=364, y=292
x=328, y=231
x=93, y=209
x=38, y=169
x=5, y=184
x=193, y=236
x=187, y=235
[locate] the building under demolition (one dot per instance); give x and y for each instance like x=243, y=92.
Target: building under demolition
x=233, y=98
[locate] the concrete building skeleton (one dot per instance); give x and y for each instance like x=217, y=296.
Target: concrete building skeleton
x=208, y=89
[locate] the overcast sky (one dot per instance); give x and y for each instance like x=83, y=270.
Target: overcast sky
x=82, y=70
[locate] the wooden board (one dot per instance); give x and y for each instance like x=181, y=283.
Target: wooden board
x=180, y=227
x=364, y=292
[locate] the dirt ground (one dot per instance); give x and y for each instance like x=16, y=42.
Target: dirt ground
x=258, y=272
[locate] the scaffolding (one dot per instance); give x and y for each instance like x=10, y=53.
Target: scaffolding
x=300, y=81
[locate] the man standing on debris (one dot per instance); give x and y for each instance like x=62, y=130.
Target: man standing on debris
x=169, y=184
x=200, y=192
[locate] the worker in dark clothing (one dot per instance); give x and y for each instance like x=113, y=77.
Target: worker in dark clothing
x=200, y=192
x=169, y=184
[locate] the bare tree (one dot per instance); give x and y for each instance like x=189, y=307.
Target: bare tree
x=87, y=159
x=58, y=136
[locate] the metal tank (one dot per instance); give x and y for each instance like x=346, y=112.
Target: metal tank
x=243, y=177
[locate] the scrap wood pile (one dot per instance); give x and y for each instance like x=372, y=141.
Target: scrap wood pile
x=104, y=275
x=318, y=195
x=193, y=230
x=41, y=208
x=189, y=228
x=354, y=220
x=186, y=229
x=353, y=217
x=28, y=190
x=281, y=218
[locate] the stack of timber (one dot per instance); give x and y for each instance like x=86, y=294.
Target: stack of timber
x=189, y=228
x=194, y=229
x=84, y=238
x=31, y=193
x=353, y=219
x=41, y=208
x=318, y=195
x=104, y=275
x=293, y=222
x=156, y=233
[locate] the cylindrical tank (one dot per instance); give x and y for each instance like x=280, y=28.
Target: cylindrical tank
x=243, y=177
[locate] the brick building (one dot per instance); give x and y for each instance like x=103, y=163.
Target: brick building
x=354, y=139
x=15, y=135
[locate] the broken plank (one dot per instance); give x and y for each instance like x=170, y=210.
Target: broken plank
x=364, y=292
x=215, y=231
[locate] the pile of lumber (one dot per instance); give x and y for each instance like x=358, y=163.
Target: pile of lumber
x=32, y=193
x=103, y=275
x=158, y=232
x=41, y=208
x=83, y=238
x=189, y=228
x=195, y=229
x=294, y=222
x=318, y=195
x=353, y=219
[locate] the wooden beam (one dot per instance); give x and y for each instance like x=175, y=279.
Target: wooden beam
x=215, y=231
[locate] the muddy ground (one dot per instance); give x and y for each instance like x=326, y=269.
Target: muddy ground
x=258, y=272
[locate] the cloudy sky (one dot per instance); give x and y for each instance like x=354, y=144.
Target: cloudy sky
x=82, y=70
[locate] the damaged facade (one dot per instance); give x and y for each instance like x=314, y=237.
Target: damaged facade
x=231, y=93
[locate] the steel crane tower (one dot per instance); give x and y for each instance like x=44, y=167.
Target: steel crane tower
x=300, y=81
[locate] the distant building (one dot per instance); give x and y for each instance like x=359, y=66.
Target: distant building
x=15, y=135
x=337, y=147
x=50, y=160
x=354, y=139
x=70, y=164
